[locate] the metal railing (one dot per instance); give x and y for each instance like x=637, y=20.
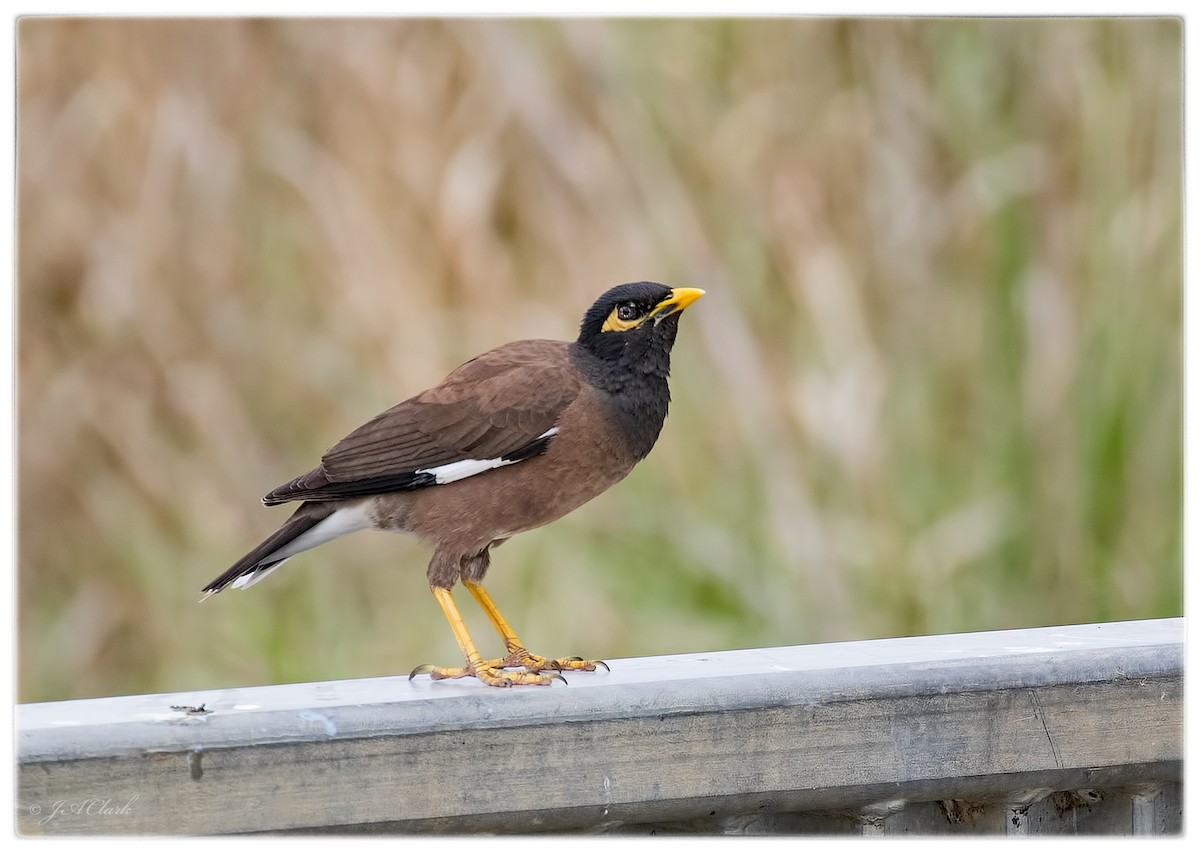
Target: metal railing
x=1073, y=729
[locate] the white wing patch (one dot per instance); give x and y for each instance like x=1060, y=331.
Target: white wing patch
x=464, y=468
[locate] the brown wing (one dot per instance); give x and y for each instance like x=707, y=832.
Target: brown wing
x=496, y=406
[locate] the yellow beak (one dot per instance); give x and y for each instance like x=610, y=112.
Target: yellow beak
x=680, y=298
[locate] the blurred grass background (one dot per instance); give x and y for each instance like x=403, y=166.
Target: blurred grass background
x=935, y=385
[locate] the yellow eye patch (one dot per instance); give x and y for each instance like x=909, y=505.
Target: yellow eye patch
x=614, y=323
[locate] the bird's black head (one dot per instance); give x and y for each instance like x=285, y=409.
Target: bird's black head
x=624, y=350
x=635, y=324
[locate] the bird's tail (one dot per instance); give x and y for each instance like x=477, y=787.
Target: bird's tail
x=311, y=525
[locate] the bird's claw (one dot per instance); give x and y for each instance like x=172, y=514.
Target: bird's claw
x=537, y=663
x=489, y=673
x=578, y=663
x=423, y=669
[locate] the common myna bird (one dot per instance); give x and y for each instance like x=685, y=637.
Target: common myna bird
x=511, y=440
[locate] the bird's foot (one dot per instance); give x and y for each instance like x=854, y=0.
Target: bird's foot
x=489, y=672
x=519, y=656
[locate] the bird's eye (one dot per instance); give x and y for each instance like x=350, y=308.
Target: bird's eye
x=627, y=313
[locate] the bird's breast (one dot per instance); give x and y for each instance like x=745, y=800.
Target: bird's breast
x=589, y=454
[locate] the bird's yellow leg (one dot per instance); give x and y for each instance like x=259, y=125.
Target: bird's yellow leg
x=486, y=671
x=518, y=655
